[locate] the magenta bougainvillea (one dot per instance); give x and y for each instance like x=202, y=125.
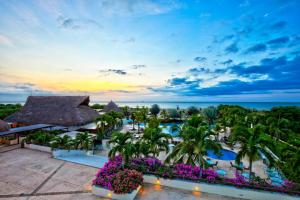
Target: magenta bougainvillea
x=120, y=178
x=114, y=177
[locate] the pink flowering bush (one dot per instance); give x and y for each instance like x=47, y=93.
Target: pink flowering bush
x=210, y=175
x=187, y=171
x=126, y=181
x=151, y=165
x=125, y=178
x=107, y=173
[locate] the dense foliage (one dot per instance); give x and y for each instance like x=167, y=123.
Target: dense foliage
x=83, y=141
x=115, y=177
x=8, y=109
x=124, y=178
x=97, y=106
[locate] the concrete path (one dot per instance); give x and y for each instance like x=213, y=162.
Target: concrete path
x=32, y=175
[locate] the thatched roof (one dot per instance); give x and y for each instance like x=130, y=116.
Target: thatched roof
x=56, y=110
x=111, y=106
x=4, y=126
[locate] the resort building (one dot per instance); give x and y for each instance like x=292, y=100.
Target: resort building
x=111, y=106
x=55, y=110
x=4, y=126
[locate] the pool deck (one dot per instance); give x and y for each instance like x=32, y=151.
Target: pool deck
x=34, y=175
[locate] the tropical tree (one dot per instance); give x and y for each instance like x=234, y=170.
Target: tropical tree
x=83, y=141
x=164, y=114
x=173, y=113
x=64, y=142
x=277, y=126
x=126, y=111
x=292, y=163
x=154, y=110
x=253, y=142
x=192, y=150
x=122, y=145
x=133, y=118
x=139, y=118
x=192, y=111
x=155, y=139
x=40, y=138
x=211, y=114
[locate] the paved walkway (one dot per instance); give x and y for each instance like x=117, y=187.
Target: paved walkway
x=28, y=174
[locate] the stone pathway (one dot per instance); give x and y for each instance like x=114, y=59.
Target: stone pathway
x=32, y=175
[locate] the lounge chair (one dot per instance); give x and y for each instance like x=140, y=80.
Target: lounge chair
x=221, y=172
x=210, y=163
x=238, y=167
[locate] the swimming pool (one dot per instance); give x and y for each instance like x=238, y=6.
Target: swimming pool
x=167, y=128
x=80, y=157
x=225, y=154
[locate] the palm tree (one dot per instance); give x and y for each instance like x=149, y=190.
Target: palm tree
x=126, y=111
x=253, y=143
x=164, y=114
x=122, y=145
x=277, y=126
x=193, y=148
x=144, y=112
x=83, y=141
x=64, y=142
x=139, y=118
x=155, y=138
x=210, y=113
x=133, y=118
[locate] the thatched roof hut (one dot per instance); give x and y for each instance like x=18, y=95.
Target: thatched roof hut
x=111, y=106
x=4, y=126
x=55, y=110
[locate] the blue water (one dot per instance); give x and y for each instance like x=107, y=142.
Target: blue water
x=255, y=105
x=89, y=160
x=167, y=128
x=184, y=105
x=225, y=155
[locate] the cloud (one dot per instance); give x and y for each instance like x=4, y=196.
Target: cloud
x=129, y=40
x=4, y=40
x=200, y=59
x=278, y=42
x=245, y=3
x=115, y=71
x=227, y=62
x=232, y=48
x=138, y=66
x=21, y=89
x=270, y=75
x=256, y=48
x=77, y=24
x=278, y=25
x=141, y=7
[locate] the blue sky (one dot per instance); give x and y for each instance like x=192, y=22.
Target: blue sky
x=171, y=50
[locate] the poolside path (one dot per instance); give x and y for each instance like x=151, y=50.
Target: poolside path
x=29, y=174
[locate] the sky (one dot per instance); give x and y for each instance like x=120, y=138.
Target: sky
x=151, y=50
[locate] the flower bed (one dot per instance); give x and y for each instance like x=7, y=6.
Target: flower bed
x=117, y=179
x=106, y=176
x=153, y=166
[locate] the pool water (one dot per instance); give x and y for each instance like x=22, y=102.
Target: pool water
x=80, y=157
x=225, y=154
x=167, y=128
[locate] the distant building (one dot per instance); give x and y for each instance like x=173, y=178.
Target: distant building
x=55, y=110
x=111, y=106
x=4, y=126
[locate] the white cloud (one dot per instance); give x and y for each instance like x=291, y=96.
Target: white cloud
x=4, y=40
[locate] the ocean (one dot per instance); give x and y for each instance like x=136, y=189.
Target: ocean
x=183, y=105
x=252, y=105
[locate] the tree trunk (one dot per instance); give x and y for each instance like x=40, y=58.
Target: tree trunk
x=250, y=169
